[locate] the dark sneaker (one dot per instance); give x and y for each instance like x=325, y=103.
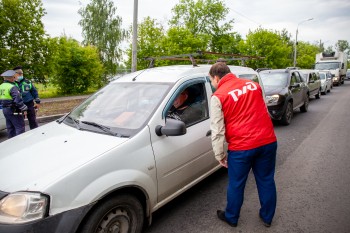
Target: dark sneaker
x=221, y=216
x=264, y=223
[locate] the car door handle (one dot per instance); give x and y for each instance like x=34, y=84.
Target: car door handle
x=208, y=133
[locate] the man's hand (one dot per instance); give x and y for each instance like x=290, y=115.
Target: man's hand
x=223, y=162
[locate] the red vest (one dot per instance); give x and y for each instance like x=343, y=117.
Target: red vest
x=247, y=122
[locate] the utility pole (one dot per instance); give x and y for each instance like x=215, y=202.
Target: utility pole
x=296, y=41
x=134, y=38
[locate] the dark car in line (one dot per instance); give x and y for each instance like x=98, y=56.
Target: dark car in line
x=285, y=92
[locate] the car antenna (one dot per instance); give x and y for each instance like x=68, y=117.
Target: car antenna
x=134, y=78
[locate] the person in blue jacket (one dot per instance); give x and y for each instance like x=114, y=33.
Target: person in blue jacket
x=29, y=96
x=12, y=104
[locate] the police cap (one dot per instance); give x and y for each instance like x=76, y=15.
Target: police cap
x=8, y=73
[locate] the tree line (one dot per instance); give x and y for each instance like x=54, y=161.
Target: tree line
x=195, y=25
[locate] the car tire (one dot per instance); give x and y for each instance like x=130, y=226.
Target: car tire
x=121, y=213
x=318, y=95
x=325, y=92
x=288, y=114
x=305, y=107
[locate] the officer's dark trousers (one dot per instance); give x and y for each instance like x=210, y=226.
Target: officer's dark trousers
x=31, y=115
x=14, y=123
x=262, y=161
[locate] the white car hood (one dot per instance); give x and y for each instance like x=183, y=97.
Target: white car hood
x=37, y=158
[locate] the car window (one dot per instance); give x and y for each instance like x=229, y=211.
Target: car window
x=297, y=76
x=128, y=108
x=322, y=76
x=194, y=108
x=252, y=77
x=294, y=78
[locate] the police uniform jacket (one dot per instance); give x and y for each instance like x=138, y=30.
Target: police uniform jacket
x=10, y=97
x=28, y=91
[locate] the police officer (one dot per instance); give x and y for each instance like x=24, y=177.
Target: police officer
x=29, y=96
x=13, y=107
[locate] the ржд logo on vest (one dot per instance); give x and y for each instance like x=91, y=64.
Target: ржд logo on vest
x=238, y=92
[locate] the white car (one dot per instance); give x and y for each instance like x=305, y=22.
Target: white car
x=326, y=81
x=114, y=160
x=2, y=120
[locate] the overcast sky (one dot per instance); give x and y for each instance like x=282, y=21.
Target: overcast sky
x=331, y=18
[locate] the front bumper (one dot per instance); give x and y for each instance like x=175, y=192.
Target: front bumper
x=66, y=222
x=276, y=111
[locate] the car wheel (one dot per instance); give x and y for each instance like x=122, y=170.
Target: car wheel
x=122, y=213
x=305, y=107
x=318, y=95
x=288, y=114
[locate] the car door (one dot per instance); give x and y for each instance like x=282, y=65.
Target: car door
x=296, y=89
x=183, y=159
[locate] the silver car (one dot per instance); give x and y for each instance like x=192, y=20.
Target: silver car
x=326, y=81
x=2, y=120
x=115, y=159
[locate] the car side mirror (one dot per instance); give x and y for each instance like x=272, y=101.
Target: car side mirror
x=295, y=85
x=172, y=127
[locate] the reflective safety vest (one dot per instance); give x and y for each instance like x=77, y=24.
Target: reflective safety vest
x=25, y=86
x=5, y=90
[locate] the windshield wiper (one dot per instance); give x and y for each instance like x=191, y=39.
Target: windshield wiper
x=102, y=127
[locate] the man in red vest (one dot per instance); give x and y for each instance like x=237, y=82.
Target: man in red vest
x=239, y=116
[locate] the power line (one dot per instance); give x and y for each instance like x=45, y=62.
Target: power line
x=246, y=17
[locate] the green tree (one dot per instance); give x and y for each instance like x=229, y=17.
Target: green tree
x=306, y=55
x=206, y=17
x=22, y=35
x=102, y=28
x=77, y=68
x=180, y=40
x=342, y=45
x=274, y=46
x=149, y=42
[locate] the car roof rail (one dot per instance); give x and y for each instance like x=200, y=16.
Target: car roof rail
x=293, y=68
x=191, y=57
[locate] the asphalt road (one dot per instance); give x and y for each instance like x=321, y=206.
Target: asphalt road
x=312, y=178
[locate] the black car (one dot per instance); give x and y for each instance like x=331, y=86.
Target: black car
x=285, y=92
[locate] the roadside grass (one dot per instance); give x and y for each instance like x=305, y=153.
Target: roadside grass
x=49, y=91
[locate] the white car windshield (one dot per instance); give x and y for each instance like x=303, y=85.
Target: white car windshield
x=119, y=108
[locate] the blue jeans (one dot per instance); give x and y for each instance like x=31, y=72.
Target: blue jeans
x=262, y=161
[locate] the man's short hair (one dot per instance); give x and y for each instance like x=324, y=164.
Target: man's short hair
x=219, y=69
x=17, y=68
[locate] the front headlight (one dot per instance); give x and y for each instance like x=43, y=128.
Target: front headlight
x=273, y=99
x=22, y=207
